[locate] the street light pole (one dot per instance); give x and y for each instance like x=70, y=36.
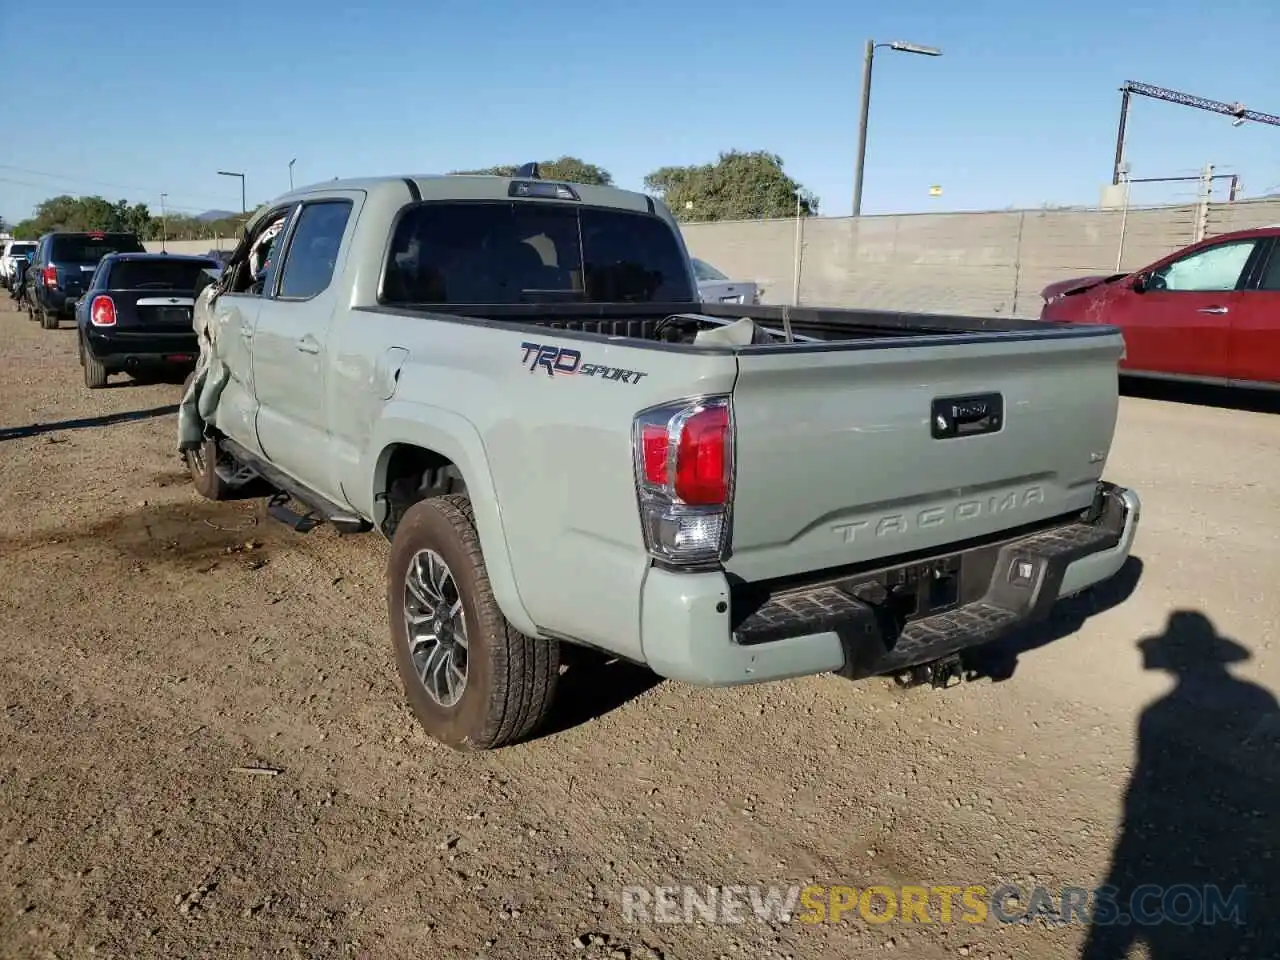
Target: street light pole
x=164, y=225
x=291, y=163
x=228, y=173
x=864, y=116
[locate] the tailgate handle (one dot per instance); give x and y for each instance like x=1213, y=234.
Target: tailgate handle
x=966, y=416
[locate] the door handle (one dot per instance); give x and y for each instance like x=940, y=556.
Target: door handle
x=1212, y=310
x=308, y=344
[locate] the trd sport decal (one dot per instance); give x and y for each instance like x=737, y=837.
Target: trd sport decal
x=563, y=362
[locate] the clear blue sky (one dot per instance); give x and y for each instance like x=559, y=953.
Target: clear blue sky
x=1020, y=110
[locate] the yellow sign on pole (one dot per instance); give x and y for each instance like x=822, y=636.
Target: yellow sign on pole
x=935, y=191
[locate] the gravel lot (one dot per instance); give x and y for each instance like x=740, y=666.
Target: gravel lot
x=153, y=644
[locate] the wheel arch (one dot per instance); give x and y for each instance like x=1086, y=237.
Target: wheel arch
x=434, y=439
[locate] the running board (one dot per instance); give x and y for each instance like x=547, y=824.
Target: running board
x=320, y=508
x=279, y=510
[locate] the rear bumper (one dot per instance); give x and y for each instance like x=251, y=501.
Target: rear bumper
x=694, y=628
x=121, y=348
x=56, y=301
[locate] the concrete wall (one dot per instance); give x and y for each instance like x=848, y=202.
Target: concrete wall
x=191, y=246
x=978, y=263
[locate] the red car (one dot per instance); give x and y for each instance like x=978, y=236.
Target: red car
x=1209, y=312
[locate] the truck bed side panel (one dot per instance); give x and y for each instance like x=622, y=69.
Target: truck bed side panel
x=558, y=445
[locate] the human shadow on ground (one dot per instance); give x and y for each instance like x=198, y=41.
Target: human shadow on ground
x=998, y=660
x=82, y=423
x=1195, y=872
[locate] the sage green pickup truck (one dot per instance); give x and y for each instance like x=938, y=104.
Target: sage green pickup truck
x=514, y=381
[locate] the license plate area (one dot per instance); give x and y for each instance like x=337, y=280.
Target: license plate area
x=166, y=316
x=916, y=590
x=923, y=589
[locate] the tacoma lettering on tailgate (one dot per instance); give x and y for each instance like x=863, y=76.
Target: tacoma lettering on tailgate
x=898, y=524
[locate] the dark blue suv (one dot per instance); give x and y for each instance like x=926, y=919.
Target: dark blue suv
x=63, y=264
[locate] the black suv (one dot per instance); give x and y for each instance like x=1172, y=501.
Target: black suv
x=135, y=316
x=63, y=264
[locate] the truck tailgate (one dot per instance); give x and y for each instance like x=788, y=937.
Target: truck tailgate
x=851, y=452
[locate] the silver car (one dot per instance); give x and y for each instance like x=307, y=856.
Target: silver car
x=715, y=287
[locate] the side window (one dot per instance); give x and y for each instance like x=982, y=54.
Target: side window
x=1271, y=275
x=1212, y=269
x=249, y=267
x=312, y=255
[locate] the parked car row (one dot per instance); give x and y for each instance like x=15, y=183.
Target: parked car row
x=131, y=308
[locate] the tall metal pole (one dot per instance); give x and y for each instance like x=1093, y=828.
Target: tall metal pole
x=164, y=225
x=291, y=163
x=1124, y=119
x=795, y=279
x=229, y=173
x=862, y=128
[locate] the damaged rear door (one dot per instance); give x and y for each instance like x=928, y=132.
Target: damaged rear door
x=291, y=357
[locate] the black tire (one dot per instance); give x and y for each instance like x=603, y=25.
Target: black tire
x=510, y=678
x=95, y=373
x=48, y=321
x=200, y=464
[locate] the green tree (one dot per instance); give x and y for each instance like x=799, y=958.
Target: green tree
x=568, y=169
x=66, y=212
x=738, y=186
x=94, y=213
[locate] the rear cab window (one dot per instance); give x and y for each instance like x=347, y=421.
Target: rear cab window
x=505, y=252
x=90, y=248
x=156, y=274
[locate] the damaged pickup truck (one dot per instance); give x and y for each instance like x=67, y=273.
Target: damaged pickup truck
x=513, y=381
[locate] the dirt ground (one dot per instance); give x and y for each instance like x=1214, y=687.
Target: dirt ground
x=152, y=645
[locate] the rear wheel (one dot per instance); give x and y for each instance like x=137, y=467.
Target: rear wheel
x=472, y=680
x=95, y=373
x=48, y=320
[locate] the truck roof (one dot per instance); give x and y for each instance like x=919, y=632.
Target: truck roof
x=458, y=186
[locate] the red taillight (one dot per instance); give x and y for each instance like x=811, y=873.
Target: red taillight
x=684, y=475
x=102, y=312
x=702, y=468
x=50, y=276
x=653, y=440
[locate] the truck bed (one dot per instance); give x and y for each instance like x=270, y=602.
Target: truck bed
x=649, y=321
